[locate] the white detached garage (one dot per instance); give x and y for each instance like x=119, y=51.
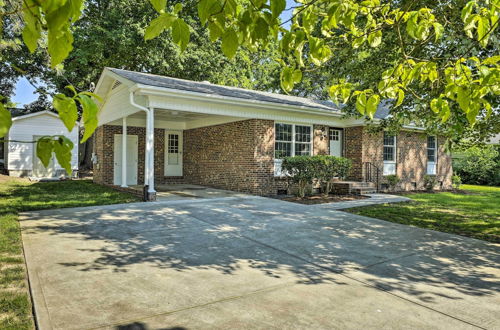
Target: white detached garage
x=20, y=155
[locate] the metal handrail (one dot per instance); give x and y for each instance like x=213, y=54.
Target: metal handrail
x=372, y=174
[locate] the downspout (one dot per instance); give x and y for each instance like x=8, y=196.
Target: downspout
x=148, y=147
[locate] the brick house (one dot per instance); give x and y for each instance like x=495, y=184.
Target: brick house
x=231, y=138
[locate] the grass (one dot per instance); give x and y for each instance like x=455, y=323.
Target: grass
x=17, y=195
x=474, y=213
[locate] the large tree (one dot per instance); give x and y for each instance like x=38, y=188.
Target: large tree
x=429, y=75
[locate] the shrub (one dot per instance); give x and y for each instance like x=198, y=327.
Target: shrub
x=299, y=169
x=479, y=165
x=392, y=181
x=456, y=181
x=302, y=170
x=429, y=182
x=328, y=167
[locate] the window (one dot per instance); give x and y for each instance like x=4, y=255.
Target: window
x=284, y=141
x=334, y=135
x=389, y=148
x=431, y=155
x=389, y=154
x=291, y=140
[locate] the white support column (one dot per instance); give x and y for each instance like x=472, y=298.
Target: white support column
x=146, y=157
x=150, y=153
x=124, y=153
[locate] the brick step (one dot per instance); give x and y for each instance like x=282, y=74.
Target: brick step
x=355, y=184
x=363, y=191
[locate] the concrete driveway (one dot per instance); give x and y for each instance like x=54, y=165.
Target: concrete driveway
x=251, y=262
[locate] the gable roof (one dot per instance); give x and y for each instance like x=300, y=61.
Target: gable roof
x=17, y=116
x=224, y=91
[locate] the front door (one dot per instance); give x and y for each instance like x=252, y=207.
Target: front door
x=132, y=159
x=335, y=142
x=173, y=153
x=40, y=171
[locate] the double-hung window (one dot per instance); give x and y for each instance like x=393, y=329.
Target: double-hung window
x=389, y=154
x=291, y=140
x=431, y=155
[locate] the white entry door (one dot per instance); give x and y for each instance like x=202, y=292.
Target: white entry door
x=40, y=171
x=335, y=137
x=132, y=159
x=173, y=153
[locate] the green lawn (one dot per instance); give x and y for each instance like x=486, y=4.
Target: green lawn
x=475, y=214
x=17, y=195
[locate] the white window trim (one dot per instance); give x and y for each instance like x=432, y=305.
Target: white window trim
x=433, y=164
x=278, y=161
x=390, y=162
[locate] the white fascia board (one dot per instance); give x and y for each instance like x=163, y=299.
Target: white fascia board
x=161, y=91
x=34, y=114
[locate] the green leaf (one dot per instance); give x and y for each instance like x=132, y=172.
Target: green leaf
x=375, y=38
x=229, y=43
x=60, y=45
x=159, y=5
x=438, y=30
x=372, y=104
x=89, y=115
x=177, y=8
x=66, y=107
x=158, y=25
x=277, y=7
x=5, y=120
x=44, y=149
x=32, y=29
x=180, y=33
x=483, y=29
x=361, y=103
x=62, y=149
x=206, y=8
x=214, y=30
x=297, y=76
x=286, y=79
x=463, y=99
x=401, y=97
x=76, y=9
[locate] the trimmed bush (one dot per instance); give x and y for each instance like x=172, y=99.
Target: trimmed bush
x=302, y=170
x=429, y=182
x=392, y=181
x=328, y=168
x=299, y=169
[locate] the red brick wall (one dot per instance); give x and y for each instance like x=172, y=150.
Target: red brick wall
x=353, y=149
x=411, y=156
x=240, y=155
x=235, y=156
x=104, y=149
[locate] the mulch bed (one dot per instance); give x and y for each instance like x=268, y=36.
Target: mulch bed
x=320, y=199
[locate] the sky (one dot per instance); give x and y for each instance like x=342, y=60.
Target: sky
x=25, y=92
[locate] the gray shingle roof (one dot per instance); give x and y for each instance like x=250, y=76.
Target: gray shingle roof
x=208, y=88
